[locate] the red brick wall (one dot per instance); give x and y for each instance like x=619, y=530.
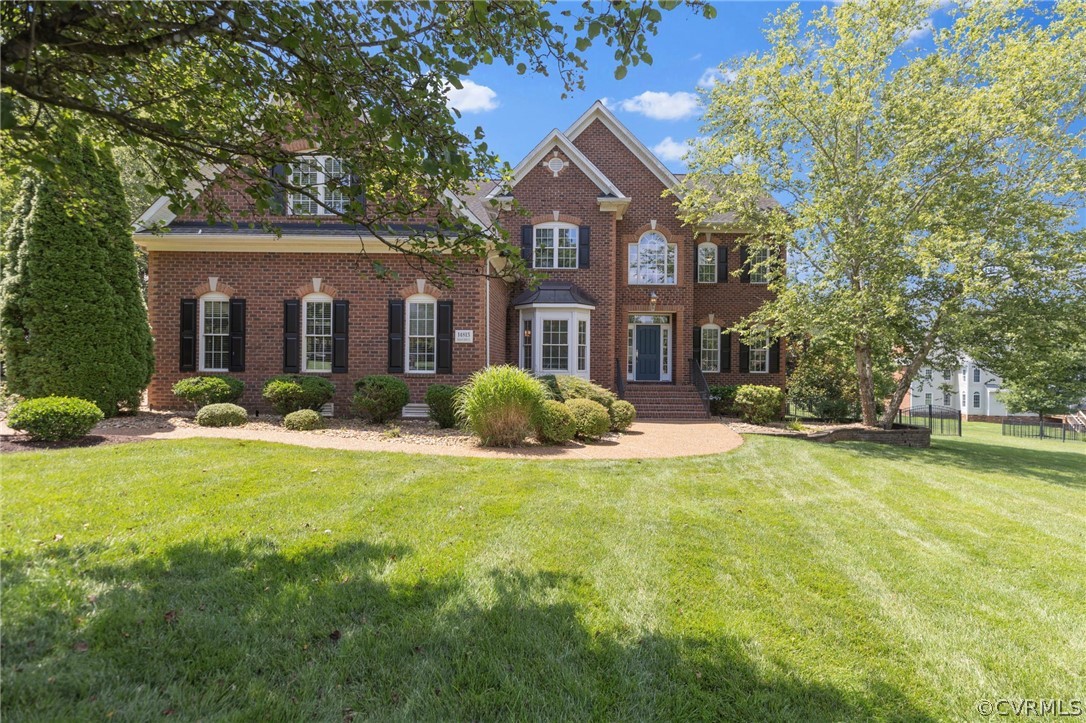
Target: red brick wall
x=265, y=280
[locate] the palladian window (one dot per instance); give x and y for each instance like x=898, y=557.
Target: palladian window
x=652, y=260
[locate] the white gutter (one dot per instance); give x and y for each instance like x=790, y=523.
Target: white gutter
x=486, y=280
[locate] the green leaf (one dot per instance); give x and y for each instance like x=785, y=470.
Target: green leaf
x=620, y=72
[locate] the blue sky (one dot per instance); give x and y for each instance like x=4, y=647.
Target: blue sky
x=657, y=102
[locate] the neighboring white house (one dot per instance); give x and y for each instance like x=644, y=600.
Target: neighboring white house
x=968, y=388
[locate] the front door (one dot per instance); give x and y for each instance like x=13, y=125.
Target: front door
x=647, y=338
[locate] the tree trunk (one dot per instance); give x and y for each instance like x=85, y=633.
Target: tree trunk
x=865, y=377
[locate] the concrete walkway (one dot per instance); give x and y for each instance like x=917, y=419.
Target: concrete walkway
x=644, y=440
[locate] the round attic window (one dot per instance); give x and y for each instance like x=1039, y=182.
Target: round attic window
x=556, y=164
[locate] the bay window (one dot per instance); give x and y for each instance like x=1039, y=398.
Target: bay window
x=555, y=340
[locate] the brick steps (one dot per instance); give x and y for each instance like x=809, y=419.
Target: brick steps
x=666, y=401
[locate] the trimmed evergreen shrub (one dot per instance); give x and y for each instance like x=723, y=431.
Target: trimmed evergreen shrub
x=501, y=404
x=576, y=388
x=759, y=404
x=722, y=398
x=222, y=415
x=441, y=399
x=201, y=391
x=303, y=420
x=590, y=417
x=72, y=319
x=290, y=392
x=380, y=397
x=555, y=423
x=622, y=415
x=551, y=382
x=53, y=419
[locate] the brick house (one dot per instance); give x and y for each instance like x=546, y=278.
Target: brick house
x=632, y=296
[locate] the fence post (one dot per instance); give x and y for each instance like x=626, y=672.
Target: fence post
x=1041, y=434
x=931, y=420
x=959, y=422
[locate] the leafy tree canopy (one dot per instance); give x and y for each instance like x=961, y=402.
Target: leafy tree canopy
x=923, y=187
x=218, y=83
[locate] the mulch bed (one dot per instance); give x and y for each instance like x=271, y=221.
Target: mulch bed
x=20, y=443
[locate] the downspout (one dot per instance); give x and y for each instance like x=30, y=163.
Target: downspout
x=486, y=280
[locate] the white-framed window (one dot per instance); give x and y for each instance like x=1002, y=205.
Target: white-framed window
x=526, y=344
x=630, y=352
x=214, y=332
x=710, y=348
x=556, y=340
x=555, y=345
x=555, y=246
x=758, y=359
x=759, y=272
x=927, y=374
x=927, y=398
x=325, y=179
x=317, y=333
x=976, y=400
x=421, y=337
x=652, y=260
x=946, y=400
x=582, y=345
x=707, y=256
x=963, y=400
x=976, y=374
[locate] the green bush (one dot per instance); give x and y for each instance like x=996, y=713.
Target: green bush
x=501, y=404
x=577, y=388
x=201, y=391
x=551, y=382
x=380, y=397
x=591, y=418
x=759, y=404
x=622, y=415
x=722, y=398
x=441, y=399
x=303, y=420
x=290, y=392
x=555, y=424
x=52, y=419
x=222, y=415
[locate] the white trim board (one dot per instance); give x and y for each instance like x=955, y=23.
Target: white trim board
x=556, y=139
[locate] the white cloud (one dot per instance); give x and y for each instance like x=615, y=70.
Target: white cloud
x=712, y=76
x=920, y=32
x=662, y=106
x=609, y=103
x=472, y=98
x=670, y=149
x=695, y=56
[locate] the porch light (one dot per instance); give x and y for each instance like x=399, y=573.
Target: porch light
x=652, y=301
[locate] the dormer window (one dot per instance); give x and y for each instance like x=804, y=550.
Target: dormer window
x=555, y=246
x=652, y=260
x=326, y=182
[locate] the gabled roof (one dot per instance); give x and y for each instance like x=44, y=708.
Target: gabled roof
x=557, y=139
x=553, y=293
x=600, y=112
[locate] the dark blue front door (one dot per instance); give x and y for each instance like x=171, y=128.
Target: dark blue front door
x=648, y=353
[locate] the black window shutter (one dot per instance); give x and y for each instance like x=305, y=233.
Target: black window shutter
x=775, y=356
x=722, y=263
x=697, y=261
x=188, y=335
x=584, y=245
x=340, y=324
x=526, y=245
x=278, y=199
x=744, y=269
x=726, y=353
x=744, y=358
x=237, y=335
x=291, y=339
x=444, y=337
x=395, y=336
x=697, y=345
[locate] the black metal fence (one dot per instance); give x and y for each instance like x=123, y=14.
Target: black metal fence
x=1038, y=429
x=944, y=421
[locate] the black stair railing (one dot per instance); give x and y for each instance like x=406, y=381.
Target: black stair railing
x=700, y=384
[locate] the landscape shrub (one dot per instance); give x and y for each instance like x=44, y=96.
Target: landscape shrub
x=556, y=424
x=290, y=392
x=222, y=415
x=622, y=415
x=304, y=420
x=759, y=404
x=501, y=404
x=551, y=382
x=380, y=397
x=53, y=419
x=591, y=418
x=441, y=399
x=577, y=388
x=200, y=391
x=722, y=398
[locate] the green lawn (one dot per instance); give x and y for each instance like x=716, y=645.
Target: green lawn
x=786, y=580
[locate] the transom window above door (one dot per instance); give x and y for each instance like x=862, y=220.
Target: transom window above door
x=555, y=246
x=652, y=260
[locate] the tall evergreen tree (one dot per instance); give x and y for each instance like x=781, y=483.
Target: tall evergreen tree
x=72, y=320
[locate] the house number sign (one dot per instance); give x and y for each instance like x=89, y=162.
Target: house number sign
x=465, y=336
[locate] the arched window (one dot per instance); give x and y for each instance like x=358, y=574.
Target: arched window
x=554, y=246
x=317, y=333
x=652, y=260
x=976, y=400
x=707, y=258
x=421, y=336
x=710, y=348
x=214, y=332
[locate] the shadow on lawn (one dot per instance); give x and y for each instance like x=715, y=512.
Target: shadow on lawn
x=246, y=631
